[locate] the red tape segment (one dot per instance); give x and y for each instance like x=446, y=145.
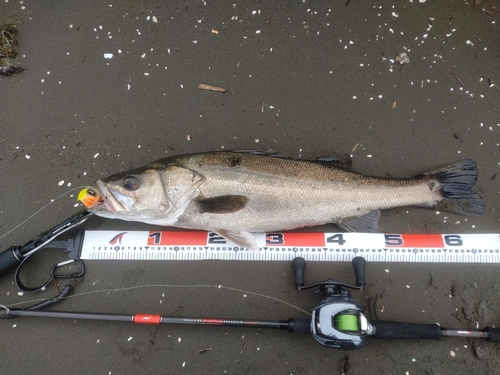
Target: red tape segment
x=163, y=238
x=415, y=240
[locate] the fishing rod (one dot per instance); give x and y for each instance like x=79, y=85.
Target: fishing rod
x=16, y=256
x=336, y=321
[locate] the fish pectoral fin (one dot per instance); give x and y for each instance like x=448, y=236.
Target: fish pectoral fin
x=224, y=204
x=367, y=223
x=241, y=238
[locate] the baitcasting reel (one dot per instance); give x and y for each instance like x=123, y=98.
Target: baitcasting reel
x=336, y=322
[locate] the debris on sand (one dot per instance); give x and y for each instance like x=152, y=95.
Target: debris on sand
x=8, y=47
x=402, y=58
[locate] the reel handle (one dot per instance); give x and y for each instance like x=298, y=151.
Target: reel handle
x=359, y=266
x=299, y=266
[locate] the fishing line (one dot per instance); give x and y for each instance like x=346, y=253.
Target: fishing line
x=41, y=209
x=169, y=286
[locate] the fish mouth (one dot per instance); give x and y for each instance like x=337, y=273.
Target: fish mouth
x=109, y=200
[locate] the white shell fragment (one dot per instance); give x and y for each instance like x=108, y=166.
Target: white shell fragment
x=402, y=58
x=108, y=55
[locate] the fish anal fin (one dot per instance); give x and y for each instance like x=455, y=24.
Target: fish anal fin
x=241, y=238
x=367, y=223
x=224, y=204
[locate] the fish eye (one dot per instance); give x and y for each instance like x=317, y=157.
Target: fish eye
x=131, y=183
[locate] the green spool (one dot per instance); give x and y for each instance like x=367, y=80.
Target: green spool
x=347, y=322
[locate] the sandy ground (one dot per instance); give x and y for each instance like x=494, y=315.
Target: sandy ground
x=305, y=78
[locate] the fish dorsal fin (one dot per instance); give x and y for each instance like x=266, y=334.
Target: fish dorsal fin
x=223, y=204
x=367, y=223
x=241, y=238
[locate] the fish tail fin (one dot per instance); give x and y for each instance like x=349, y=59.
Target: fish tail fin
x=456, y=181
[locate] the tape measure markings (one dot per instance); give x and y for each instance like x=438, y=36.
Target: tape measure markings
x=378, y=247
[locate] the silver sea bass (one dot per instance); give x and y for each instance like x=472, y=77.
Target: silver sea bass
x=234, y=194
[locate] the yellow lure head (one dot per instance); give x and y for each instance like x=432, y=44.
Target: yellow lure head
x=88, y=197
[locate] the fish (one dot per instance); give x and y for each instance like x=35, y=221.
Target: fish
x=236, y=194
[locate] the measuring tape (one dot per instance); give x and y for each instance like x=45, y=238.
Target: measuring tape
x=276, y=246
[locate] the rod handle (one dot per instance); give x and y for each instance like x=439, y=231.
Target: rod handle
x=493, y=334
x=9, y=260
x=299, y=266
x=359, y=266
x=399, y=330
x=299, y=325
